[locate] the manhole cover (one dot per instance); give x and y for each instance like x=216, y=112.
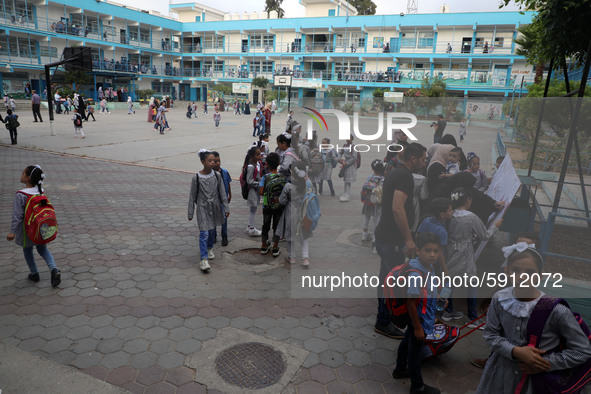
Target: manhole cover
x=251, y=365
x=356, y=240
x=250, y=256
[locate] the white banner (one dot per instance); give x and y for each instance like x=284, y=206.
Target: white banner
x=310, y=83
x=241, y=87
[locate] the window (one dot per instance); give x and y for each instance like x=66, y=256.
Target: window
x=26, y=48
x=267, y=67
x=261, y=41
x=499, y=41
x=145, y=36
x=331, y=12
x=426, y=39
x=92, y=24
x=408, y=40
x=198, y=19
x=218, y=66
x=213, y=42
x=21, y=9
x=133, y=34
x=48, y=52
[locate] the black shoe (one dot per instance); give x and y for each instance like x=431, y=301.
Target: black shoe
x=389, y=330
x=56, y=277
x=34, y=277
x=265, y=250
x=400, y=375
x=224, y=241
x=425, y=390
x=332, y=193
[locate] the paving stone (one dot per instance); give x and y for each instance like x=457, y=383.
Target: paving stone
x=369, y=387
x=310, y=387
x=218, y=322
x=377, y=373
x=155, y=333
x=357, y=358
x=143, y=360
x=150, y=376
x=56, y=345
x=204, y=333
x=125, y=321
x=110, y=345
x=312, y=360
x=340, y=345
x=322, y=374
x=160, y=388
x=130, y=333
x=97, y=372
x=171, y=360
x=162, y=346
x=33, y=344
x=147, y=322
x=195, y=322
x=241, y=322
x=331, y=358
x=136, y=346
x=100, y=321
x=171, y=322
x=64, y=357
x=87, y=360
x=122, y=375
x=277, y=333
x=180, y=376
x=49, y=333
x=115, y=360
x=192, y=388
x=315, y=345
x=33, y=331
x=301, y=333
x=383, y=357
x=84, y=345
x=188, y=346
x=340, y=387
x=349, y=373
x=105, y=332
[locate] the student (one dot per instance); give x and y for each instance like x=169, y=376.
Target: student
x=194, y=109
x=441, y=212
x=371, y=209
x=32, y=177
x=421, y=304
x=256, y=125
x=527, y=239
x=227, y=179
x=463, y=227
x=330, y=156
x=289, y=227
x=252, y=167
x=90, y=109
x=453, y=161
x=77, y=119
x=130, y=105
x=271, y=187
x=208, y=193
x=287, y=155
x=189, y=111
x=481, y=183
x=462, y=129
x=562, y=344
x=67, y=104
x=103, y=105
x=205, y=107
x=217, y=117
x=12, y=121
x=348, y=162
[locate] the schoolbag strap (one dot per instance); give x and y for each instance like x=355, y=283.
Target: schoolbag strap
x=540, y=315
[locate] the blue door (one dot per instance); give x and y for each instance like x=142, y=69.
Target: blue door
x=394, y=45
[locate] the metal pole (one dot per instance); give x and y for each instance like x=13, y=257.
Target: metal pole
x=572, y=130
x=49, y=99
x=518, y=98
x=539, y=127
x=577, y=150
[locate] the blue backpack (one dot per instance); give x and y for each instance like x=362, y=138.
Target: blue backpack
x=310, y=213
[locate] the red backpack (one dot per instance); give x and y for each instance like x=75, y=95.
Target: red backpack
x=396, y=297
x=40, y=221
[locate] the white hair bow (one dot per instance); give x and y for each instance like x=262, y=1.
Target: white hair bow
x=519, y=247
x=455, y=196
x=203, y=151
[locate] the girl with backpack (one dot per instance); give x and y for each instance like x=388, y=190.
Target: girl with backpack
x=290, y=224
x=287, y=155
x=32, y=177
x=464, y=228
x=12, y=125
x=77, y=119
x=208, y=193
x=349, y=164
x=252, y=175
x=331, y=159
x=538, y=345
x=370, y=208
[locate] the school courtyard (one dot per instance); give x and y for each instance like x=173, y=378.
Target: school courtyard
x=135, y=313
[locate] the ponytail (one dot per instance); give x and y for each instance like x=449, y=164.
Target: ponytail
x=37, y=176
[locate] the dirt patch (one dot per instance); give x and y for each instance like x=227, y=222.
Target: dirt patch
x=570, y=241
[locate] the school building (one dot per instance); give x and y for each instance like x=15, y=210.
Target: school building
x=185, y=54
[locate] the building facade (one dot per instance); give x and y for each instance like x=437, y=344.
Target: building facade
x=185, y=56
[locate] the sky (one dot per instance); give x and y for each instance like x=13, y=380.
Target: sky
x=293, y=9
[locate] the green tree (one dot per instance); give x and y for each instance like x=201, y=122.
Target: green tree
x=274, y=5
x=260, y=82
x=364, y=7
x=530, y=45
x=336, y=94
